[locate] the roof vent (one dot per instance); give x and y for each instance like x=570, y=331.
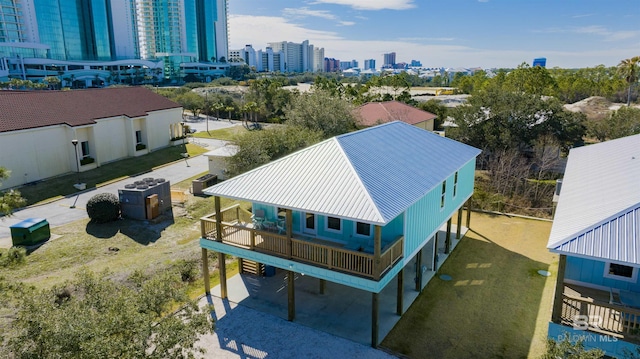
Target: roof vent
x=130, y=186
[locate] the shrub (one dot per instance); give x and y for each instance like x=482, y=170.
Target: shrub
x=103, y=207
x=86, y=161
x=13, y=257
x=188, y=270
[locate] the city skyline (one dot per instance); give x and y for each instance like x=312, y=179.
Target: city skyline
x=458, y=33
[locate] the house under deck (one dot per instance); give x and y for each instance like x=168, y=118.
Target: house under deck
x=305, y=260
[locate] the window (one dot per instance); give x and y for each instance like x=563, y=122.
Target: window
x=309, y=223
x=363, y=229
x=138, y=136
x=85, y=149
x=444, y=192
x=620, y=272
x=455, y=184
x=333, y=223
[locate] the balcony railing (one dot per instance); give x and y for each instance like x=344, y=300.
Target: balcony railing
x=236, y=230
x=601, y=317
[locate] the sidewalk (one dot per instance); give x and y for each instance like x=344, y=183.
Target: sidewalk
x=61, y=212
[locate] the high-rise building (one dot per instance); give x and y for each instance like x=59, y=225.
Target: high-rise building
x=318, y=59
x=175, y=31
x=369, y=64
x=299, y=57
x=389, y=60
x=269, y=60
x=416, y=63
x=331, y=65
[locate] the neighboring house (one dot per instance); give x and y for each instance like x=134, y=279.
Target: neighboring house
x=354, y=210
x=37, y=129
x=218, y=160
x=596, y=232
x=375, y=113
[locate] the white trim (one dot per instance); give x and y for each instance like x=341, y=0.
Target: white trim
x=590, y=285
x=632, y=279
x=454, y=192
x=362, y=236
x=303, y=224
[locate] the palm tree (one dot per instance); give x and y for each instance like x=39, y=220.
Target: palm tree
x=628, y=68
x=229, y=109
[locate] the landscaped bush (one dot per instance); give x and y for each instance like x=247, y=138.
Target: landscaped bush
x=188, y=270
x=86, y=161
x=103, y=207
x=13, y=257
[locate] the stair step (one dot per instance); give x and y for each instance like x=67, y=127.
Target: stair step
x=252, y=267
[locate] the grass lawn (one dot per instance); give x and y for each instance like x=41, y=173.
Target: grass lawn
x=120, y=247
x=496, y=306
x=227, y=134
x=58, y=187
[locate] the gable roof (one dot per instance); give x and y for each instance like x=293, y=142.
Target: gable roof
x=371, y=175
x=374, y=113
x=598, y=213
x=21, y=110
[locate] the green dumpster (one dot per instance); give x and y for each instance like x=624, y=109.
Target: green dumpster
x=30, y=231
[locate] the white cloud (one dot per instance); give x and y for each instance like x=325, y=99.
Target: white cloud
x=305, y=11
x=597, y=30
x=581, y=15
x=346, y=23
x=371, y=4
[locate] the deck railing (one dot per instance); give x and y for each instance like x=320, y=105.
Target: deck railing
x=602, y=318
x=235, y=231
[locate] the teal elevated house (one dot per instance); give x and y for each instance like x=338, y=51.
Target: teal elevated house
x=354, y=210
x=596, y=233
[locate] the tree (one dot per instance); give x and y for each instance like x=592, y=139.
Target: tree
x=256, y=148
x=192, y=102
x=53, y=82
x=437, y=108
x=533, y=80
x=10, y=199
x=628, y=69
x=496, y=119
x=319, y=111
x=94, y=317
x=621, y=123
x=565, y=349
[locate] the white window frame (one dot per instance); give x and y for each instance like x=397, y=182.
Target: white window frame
x=138, y=140
x=633, y=278
x=443, y=197
x=355, y=230
x=303, y=224
x=455, y=184
x=82, y=148
x=326, y=225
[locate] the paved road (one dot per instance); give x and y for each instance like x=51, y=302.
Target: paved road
x=72, y=208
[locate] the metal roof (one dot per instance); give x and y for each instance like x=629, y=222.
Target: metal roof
x=371, y=175
x=598, y=212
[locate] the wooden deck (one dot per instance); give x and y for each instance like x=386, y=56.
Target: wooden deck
x=592, y=309
x=237, y=230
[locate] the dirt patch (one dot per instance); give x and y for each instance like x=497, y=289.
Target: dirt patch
x=595, y=108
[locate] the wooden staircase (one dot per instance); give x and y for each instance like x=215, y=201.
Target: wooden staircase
x=251, y=267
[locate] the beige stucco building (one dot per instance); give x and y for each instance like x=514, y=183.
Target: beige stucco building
x=37, y=129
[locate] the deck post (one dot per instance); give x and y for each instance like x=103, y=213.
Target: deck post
x=222, y=265
x=289, y=225
x=218, y=219
x=240, y=264
x=323, y=284
x=292, y=296
x=377, y=243
x=419, y=271
x=459, y=224
x=374, y=319
x=435, y=254
x=447, y=240
x=399, y=299
x=205, y=271
x=556, y=315
x=469, y=213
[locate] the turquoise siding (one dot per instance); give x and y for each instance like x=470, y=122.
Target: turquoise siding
x=592, y=271
x=313, y=271
x=424, y=217
x=347, y=234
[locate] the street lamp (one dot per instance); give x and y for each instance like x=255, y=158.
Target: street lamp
x=74, y=142
x=184, y=135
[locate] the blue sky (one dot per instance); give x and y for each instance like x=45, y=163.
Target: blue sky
x=451, y=33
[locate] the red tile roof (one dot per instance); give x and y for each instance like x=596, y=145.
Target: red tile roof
x=21, y=110
x=374, y=113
